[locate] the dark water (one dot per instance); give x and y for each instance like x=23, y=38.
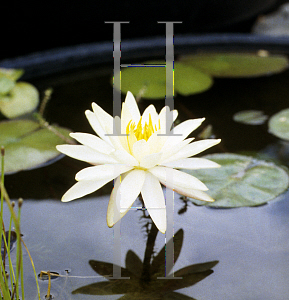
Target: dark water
x=251, y=245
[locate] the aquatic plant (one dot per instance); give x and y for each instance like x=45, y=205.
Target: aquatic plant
x=140, y=157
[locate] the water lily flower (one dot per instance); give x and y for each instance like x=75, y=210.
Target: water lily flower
x=140, y=156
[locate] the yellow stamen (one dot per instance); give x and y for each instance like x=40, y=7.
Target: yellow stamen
x=141, y=132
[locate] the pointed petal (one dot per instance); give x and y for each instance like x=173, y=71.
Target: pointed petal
x=192, y=163
x=114, y=137
x=154, y=200
x=130, y=188
x=177, y=178
x=151, y=160
x=94, y=123
x=163, y=118
x=113, y=212
x=192, y=149
x=150, y=110
x=125, y=158
x=104, y=119
x=181, y=131
x=192, y=193
x=126, y=117
x=83, y=188
x=168, y=153
x=102, y=172
x=84, y=153
x=93, y=142
x=132, y=106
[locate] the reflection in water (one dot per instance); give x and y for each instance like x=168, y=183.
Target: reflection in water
x=144, y=283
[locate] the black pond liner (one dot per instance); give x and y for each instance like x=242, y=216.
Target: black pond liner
x=68, y=58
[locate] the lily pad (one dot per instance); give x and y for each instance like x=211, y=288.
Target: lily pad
x=28, y=145
x=13, y=74
x=241, y=181
x=187, y=80
x=237, y=64
x=250, y=117
x=279, y=124
x=8, y=78
x=22, y=98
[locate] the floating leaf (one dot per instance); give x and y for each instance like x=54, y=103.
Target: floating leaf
x=23, y=98
x=13, y=74
x=8, y=78
x=187, y=80
x=28, y=145
x=237, y=64
x=279, y=124
x=241, y=181
x=250, y=117
x=6, y=85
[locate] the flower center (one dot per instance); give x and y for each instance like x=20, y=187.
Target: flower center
x=142, y=132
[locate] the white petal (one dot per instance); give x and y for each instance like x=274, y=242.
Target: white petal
x=104, y=119
x=101, y=172
x=151, y=160
x=132, y=106
x=126, y=117
x=115, y=136
x=181, y=131
x=125, y=158
x=193, y=149
x=94, y=123
x=130, y=188
x=150, y=110
x=84, y=153
x=82, y=188
x=156, y=142
x=192, y=163
x=140, y=149
x=170, y=153
x=93, y=142
x=154, y=200
x=196, y=194
x=164, y=118
x=177, y=178
x=113, y=212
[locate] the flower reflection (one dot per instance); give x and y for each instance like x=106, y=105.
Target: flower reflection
x=144, y=283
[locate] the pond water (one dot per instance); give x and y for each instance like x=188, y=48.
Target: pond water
x=250, y=246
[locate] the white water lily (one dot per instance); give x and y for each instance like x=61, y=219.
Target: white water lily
x=140, y=156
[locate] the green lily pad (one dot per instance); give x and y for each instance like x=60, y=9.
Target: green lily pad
x=22, y=98
x=187, y=80
x=28, y=145
x=237, y=64
x=250, y=117
x=6, y=85
x=8, y=78
x=241, y=181
x=279, y=124
x=13, y=74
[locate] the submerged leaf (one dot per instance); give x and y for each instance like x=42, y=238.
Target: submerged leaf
x=279, y=124
x=237, y=64
x=250, y=117
x=187, y=80
x=241, y=181
x=28, y=145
